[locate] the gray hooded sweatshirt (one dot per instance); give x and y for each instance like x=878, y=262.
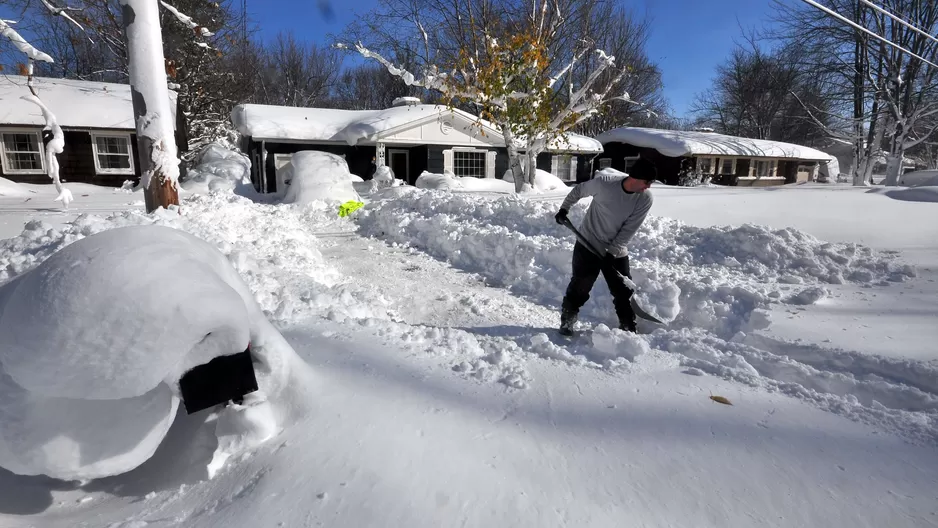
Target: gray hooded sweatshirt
x=614, y=216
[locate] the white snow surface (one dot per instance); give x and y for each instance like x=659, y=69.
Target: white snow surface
x=10, y=188
x=440, y=384
x=319, y=176
x=676, y=143
x=75, y=103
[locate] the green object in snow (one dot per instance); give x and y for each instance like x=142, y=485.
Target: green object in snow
x=348, y=207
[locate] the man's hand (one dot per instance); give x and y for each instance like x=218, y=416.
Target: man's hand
x=561, y=216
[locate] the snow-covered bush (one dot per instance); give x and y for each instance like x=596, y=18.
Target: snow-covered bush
x=543, y=180
x=319, y=176
x=94, y=340
x=219, y=168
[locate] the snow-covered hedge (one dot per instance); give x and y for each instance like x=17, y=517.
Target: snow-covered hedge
x=219, y=168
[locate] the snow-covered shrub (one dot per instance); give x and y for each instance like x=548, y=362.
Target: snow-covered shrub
x=445, y=181
x=319, y=176
x=102, y=331
x=219, y=168
x=543, y=180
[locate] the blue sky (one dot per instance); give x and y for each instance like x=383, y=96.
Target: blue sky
x=689, y=38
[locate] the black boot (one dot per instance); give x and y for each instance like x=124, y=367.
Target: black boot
x=567, y=320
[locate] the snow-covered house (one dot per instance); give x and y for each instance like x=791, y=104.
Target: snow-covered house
x=408, y=137
x=97, y=120
x=727, y=160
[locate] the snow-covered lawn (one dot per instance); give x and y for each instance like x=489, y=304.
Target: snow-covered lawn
x=440, y=394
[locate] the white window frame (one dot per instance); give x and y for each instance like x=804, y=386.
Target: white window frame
x=712, y=164
x=555, y=166
x=3, y=151
x=97, y=162
x=489, y=169
x=732, y=166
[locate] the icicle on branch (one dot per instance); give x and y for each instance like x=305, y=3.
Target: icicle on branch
x=21, y=44
x=63, y=12
x=187, y=20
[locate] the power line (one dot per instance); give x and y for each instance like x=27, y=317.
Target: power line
x=863, y=29
x=899, y=20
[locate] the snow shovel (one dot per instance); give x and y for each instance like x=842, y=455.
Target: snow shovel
x=639, y=311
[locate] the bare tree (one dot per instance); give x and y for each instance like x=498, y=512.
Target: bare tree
x=295, y=73
x=514, y=62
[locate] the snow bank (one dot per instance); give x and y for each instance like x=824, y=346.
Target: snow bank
x=543, y=180
x=450, y=182
x=922, y=178
x=713, y=278
x=12, y=189
x=91, y=355
x=319, y=176
x=220, y=168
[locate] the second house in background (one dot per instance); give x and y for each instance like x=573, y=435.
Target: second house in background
x=408, y=137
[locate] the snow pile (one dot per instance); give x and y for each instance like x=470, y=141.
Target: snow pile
x=922, y=178
x=220, y=168
x=12, y=189
x=450, y=182
x=82, y=404
x=543, y=180
x=712, y=278
x=319, y=176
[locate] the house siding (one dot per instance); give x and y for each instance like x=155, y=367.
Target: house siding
x=76, y=161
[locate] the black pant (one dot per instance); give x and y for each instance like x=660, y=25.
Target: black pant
x=586, y=268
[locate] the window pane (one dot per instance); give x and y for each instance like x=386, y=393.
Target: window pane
x=563, y=163
x=727, y=167
x=112, y=145
x=21, y=142
x=469, y=164
x=24, y=161
x=113, y=161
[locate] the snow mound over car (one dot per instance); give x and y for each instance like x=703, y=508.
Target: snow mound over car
x=319, y=176
x=94, y=340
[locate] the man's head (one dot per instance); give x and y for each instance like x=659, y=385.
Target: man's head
x=641, y=174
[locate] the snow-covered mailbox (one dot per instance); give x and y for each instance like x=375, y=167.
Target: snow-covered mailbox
x=682, y=155
x=95, y=340
x=97, y=121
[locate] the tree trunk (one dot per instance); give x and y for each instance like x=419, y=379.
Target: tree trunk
x=893, y=165
x=514, y=160
x=159, y=162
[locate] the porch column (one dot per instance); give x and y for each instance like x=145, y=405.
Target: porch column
x=379, y=158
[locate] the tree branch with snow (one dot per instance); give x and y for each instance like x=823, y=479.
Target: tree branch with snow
x=505, y=70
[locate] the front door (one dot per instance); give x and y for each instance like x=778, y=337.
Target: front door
x=399, y=162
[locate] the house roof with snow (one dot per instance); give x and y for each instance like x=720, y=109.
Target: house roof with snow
x=267, y=122
x=405, y=123
x=76, y=104
x=675, y=143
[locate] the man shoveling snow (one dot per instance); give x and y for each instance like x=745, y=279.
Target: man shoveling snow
x=620, y=205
